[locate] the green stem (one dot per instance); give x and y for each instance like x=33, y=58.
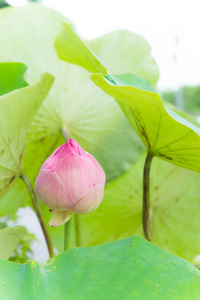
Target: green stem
x=78, y=230
x=77, y=219
x=65, y=134
x=67, y=226
x=38, y=213
x=146, y=196
x=67, y=231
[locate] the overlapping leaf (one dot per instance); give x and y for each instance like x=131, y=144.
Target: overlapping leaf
x=74, y=102
x=11, y=77
x=9, y=238
x=91, y=117
x=69, y=46
x=132, y=56
x=164, y=133
x=18, y=109
x=127, y=269
x=174, y=209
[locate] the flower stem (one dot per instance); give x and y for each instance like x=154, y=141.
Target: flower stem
x=67, y=230
x=65, y=134
x=67, y=226
x=38, y=213
x=146, y=196
x=77, y=219
x=78, y=230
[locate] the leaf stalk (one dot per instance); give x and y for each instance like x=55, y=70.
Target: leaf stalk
x=146, y=196
x=67, y=231
x=38, y=213
x=78, y=229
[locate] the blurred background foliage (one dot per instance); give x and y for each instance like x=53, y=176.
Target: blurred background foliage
x=4, y=3
x=191, y=98
x=23, y=251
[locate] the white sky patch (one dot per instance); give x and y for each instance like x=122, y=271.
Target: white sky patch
x=160, y=22
x=27, y=218
x=17, y=2
x=171, y=27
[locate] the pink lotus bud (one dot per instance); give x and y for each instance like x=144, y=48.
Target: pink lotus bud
x=70, y=181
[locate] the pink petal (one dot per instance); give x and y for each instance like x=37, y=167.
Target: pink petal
x=62, y=151
x=75, y=172
x=51, y=190
x=57, y=155
x=98, y=173
x=76, y=148
x=47, y=162
x=90, y=201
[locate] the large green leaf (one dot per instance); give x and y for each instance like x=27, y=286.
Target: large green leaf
x=68, y=45
x=18, y=109
x=129, y=79
x=90, y=116
x=11, y=77
x=164, y=133
x=74, y=102
x=9, y=238
x=122, y=51
x=174, y=209
x=127, y=269
x=34, y=154
x=132, y=56
x=183, y=114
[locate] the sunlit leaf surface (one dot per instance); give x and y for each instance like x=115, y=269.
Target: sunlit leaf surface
x=174, y=209
x=132, y=56
x=18, y=109
x=74, y=103
x=69, y=46
x=127, y=269
x=11, y=77
x=9, y=238
x=164, y=133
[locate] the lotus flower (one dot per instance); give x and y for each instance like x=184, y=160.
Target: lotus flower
x=70, y=181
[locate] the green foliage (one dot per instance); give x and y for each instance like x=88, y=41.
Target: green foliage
x=164, y=133
x=183, y=114
x=23, y=251
x=12, y=77
x=14, y=126
x=3, y=3
x=9, y=238
x=137, y=81
x=133, y=55
x=191, y=97
x=170, y=96
x=74, y=102
x=36, y=119
x=167, y=136
x=174, y=209
x=68, y=45
x=113, y=271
